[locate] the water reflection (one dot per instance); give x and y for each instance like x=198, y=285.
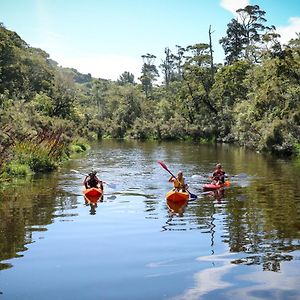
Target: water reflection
x=217, y=195
x=223, y=279
x=29, y=207
x=177, y=207
x=92, y=202
x=256, y=221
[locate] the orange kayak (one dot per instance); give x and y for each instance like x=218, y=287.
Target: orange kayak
x=175, y=195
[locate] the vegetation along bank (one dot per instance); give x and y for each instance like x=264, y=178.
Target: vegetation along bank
x=48, y=112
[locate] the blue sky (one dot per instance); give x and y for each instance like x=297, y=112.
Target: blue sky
x=107, y=37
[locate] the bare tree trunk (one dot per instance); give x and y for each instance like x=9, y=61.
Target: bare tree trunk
x=211, y=53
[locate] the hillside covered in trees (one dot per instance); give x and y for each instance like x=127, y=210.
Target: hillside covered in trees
x=253, y=100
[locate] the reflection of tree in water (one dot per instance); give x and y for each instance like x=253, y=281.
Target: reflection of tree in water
x=269, y=261
x=265, y=226
x=260, y=221
x=175, y=220
x=27, y=209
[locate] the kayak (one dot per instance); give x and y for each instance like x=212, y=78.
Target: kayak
x=212, y=186
x=175, y=195
x=93, y=194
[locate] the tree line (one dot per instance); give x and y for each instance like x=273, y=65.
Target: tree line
x=47, y=112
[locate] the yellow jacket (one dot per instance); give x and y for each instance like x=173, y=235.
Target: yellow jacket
x=179, y=183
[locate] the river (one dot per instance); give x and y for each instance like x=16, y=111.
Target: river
x=240, y=243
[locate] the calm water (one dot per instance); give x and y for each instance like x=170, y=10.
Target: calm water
x=241, y=243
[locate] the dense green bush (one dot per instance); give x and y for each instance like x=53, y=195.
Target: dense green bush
x=18, y=169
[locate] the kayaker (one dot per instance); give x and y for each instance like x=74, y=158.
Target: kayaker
x=218, y=175
x=179, y=183
x=92, y=181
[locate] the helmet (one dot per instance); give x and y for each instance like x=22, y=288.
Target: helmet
x=93, y=173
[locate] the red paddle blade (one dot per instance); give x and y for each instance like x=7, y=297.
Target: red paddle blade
x=163, y=165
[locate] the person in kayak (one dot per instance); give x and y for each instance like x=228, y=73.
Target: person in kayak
x=92, y=181
x=179, y=183
x=218, y=175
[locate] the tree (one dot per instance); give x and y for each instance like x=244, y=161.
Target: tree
x=197, y=76
x=149, y=74
x=270, y=115
x=233, y=43
x=244, y=34
x=63, y=97
x=168, y=67
x=99, y=92
x=126, y=78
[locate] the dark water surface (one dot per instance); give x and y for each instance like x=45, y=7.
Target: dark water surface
x=240, y=243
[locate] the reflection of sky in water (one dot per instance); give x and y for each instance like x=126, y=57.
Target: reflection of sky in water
x=225, y=280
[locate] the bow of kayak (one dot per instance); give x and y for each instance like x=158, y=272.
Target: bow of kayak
x=212, y=186
x=175, y=195
x=93, y=194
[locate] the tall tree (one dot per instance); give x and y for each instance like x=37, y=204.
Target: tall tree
x=149, y=73
x=99, y=91
x=233, y=43
x=244, y=34
x=168, y=66
x=197, y=76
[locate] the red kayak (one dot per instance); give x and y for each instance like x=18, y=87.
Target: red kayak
x=212, y=186
x=175, y=195
x=93, y=194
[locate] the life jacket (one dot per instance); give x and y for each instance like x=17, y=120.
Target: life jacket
x=92, y=182
x=179, y=184
x=219, y=174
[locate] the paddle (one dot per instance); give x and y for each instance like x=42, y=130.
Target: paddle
x=111, y=185
x=193, y=196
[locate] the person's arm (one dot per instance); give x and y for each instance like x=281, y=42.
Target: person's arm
x=98, y=180
x=185, y=185
x=85, y=181
x=172, y=179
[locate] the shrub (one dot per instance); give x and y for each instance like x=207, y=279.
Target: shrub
x=18, y=169
x=36, y=156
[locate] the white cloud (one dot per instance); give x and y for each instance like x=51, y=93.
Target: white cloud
x=289, y=32
x=102, y=66
x=234, y=5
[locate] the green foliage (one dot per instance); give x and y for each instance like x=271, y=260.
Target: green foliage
x=174, y=129
x=17, y=169
x=253, y=101
x=149, y=74
x=35, y=156
x=229, y=87
x=142, y=130
x=79, y=146
x=297, y=149
x=74, y=148
x=126, y=78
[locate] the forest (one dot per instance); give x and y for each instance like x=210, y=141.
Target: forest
x=48, y=112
